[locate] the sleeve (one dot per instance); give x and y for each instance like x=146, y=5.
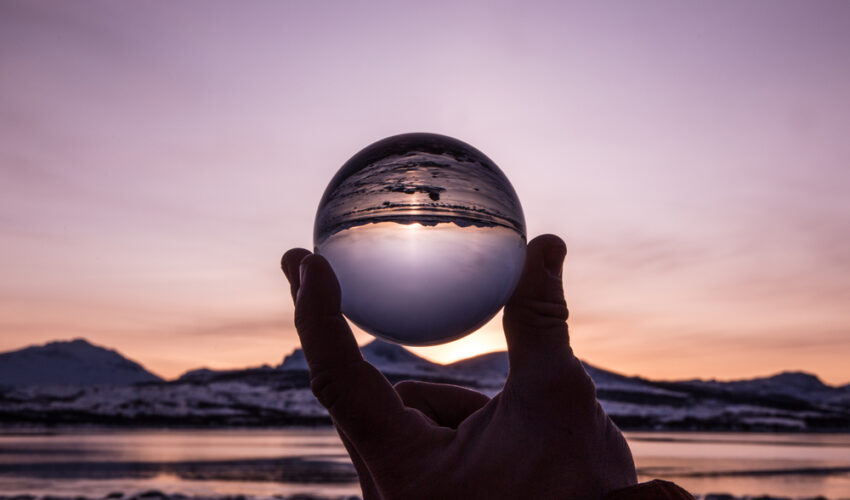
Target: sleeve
x=652, y=490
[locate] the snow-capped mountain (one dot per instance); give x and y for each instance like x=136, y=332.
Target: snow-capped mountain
x=281, y=396
x=385, y=356
x=74, y=362
x=792, y=384
x=294, y=361
x=393, y=358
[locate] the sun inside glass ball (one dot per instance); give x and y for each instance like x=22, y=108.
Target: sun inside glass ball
x=426, y=236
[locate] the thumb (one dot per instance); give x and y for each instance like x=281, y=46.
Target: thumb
x=537, y=311
x=535, y=321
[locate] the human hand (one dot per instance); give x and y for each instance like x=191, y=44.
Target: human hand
x=544, y=436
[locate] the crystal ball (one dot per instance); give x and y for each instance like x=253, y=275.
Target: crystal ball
x=426, y=236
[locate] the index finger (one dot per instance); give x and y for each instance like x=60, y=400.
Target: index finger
x=358, y=397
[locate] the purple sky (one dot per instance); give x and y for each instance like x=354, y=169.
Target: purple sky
x=156, y=158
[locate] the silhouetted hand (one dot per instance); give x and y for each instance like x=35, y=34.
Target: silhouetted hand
x=544, y=436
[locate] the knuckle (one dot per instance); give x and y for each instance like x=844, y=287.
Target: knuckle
x=312, y=323
x=333, y=383
x=538, y=314
x=304, y=320
x=326, y=388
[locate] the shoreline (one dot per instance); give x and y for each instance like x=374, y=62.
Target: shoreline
x=158, y=495
x=33, y=429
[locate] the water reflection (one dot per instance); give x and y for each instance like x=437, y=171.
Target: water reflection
x=793, y=465
x=421, y=285
x=95, y=463
x=290, y=461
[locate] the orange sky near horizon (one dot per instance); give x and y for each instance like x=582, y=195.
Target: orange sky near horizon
x=156, y=159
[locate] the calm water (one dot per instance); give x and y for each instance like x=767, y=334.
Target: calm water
x=97, y=462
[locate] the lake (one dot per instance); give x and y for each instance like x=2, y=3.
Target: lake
x=96, y=462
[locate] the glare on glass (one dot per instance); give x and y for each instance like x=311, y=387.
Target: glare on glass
x=426, y=236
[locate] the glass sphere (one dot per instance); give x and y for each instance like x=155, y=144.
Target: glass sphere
x=426, y=236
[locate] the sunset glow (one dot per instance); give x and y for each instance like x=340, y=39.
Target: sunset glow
x=157, y=158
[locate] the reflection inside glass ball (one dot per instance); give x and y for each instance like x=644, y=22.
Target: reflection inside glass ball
x=426, y=236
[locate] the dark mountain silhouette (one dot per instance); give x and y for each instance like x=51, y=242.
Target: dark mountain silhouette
x=379, y=352
x=491, y=362
x=280, y=396
x=791, y=384
x=384, y=355
x=74, y=362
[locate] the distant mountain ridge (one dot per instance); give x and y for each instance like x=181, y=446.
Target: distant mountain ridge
x=491, y=362
x=74, y=362
x=387, y=357
x=280, y=396
x=395, y=359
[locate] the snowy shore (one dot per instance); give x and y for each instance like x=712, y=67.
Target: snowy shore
x=281, y=397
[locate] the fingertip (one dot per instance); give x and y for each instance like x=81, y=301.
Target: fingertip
x=291, y=260
x=289, y=264
x=319, y=283
x=314, y=264
x=547, y=239
x=550, y=250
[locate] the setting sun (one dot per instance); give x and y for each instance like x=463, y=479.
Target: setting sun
x=488, y=338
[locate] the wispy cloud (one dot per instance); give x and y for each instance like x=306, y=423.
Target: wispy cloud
x=270, y=327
